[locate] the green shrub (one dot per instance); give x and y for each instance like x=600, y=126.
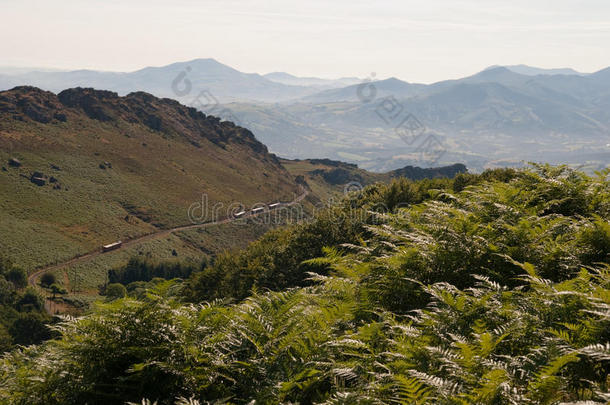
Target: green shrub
x=115, y=290
x=47, y=279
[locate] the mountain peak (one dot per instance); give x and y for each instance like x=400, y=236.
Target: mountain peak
x=535, y=71
x=393, y=80
x=494, y=70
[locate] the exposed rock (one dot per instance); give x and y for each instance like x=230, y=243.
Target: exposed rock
x=39, y=181
x=159, y=114
x=91, y=101
x=37, y=113
x=12, y=162
x=31, y=102
x=38, y=178
x=60, y=117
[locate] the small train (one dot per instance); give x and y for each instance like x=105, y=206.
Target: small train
x=112, y=246
x=257, y=210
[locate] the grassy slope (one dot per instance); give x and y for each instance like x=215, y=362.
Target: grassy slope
x=155, y=177
x=328, y=179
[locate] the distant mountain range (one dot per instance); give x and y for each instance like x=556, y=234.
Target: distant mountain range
x=499, y=116
x=286, y=78
x=183, y=81
x=533, y=71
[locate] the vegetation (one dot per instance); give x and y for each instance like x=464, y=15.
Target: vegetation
x=486, y=289
x=143, y=270
x=47, y=279
x=22, y=318
x=329, y=179
x=116, y=168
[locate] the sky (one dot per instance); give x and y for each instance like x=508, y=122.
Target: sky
x=417, y=41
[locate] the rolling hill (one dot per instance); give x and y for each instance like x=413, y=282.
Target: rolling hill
x=329, y=180
x=496, y=117
x=221, y=82
x=87, y=167
x=286, y=78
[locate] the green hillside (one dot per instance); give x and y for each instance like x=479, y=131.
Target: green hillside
x=115, y=168
x=329, y=179
x=484, y=289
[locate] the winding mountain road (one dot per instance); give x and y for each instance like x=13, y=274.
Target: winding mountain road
x=35, y=276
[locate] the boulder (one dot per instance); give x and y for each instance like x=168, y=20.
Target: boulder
x=39, y=181
x=14, y=162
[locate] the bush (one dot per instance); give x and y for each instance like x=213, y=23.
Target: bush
x=5, y=339
x=115, y=291
x=142, y=270
x=18, y=277
x=30, y=301
x=29, y=328
x=57, y=289
x=47, y=279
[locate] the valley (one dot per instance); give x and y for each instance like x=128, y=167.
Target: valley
x=85, y=168
x=501, y=116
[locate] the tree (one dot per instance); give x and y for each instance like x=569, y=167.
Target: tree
x=30, y=301
x=29, y=328
x=7, y=292
x=115, y=291
x=47, y=279
x=17, y=276
x=5, y=339
x=57, y=289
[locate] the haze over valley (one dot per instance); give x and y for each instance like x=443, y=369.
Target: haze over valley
x=501, y=116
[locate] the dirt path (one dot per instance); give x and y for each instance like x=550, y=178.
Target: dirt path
x=35, y=276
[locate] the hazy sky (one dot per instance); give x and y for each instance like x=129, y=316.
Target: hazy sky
x=420, y=41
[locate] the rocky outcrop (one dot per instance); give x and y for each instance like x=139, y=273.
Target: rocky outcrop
x=31, y=102
x=38, y=178
x=158, y=114
x=12, y=162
